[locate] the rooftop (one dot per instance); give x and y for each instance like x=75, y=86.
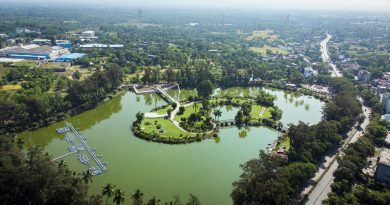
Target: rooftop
x=30, y=49
x=98, y=45
x=384, y=156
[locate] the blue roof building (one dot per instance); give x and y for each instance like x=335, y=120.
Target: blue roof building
x=70, y=57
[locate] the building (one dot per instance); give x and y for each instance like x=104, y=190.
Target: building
x=309, y=72
x=69, y=57
x=33, y=52
x=98, y=45
x=383, y=168
x=88, y=34
x=2, y=35
x=62, y=43
x=386, y=102
x=364, y=76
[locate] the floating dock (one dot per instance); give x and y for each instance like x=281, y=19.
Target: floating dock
x=62, y=130
x=83, y=145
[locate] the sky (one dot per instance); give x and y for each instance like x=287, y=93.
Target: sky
x=383, y=5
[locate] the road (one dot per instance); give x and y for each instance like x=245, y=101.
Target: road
x=323, y=187
x=326, y=58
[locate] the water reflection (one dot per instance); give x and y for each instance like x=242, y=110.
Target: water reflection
x=43, y=136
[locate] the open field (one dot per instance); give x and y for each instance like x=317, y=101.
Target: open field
x=263, y=34
x=263, y=50
x=54, y=65
x=10, y=87
x=25, y=63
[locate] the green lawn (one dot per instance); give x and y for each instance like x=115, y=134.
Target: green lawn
x=164, y=110
x=267, y=112
x=170, y=130
x=25, y=63
x=285, y=142
x=256, y=111
x=188, y=111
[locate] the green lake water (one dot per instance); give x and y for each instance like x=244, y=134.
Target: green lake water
x=206, y=169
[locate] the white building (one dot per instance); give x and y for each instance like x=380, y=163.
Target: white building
x=364, y=76
x=309, y=72
x=386, y=102
x=88, y=34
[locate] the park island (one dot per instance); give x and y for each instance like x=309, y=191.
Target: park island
x=199, y=117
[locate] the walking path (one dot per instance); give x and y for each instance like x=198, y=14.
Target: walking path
x=60, y=157
x=262, y=112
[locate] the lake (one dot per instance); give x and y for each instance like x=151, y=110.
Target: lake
x=206, y=169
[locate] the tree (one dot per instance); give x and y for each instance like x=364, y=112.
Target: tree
x=137, y=197
x=205, y=89
x=108, y=191
x=77, y=75
x=119, y=196
x=33, y=178
x=193, y=200
x=87, y=176
x=217, y=113
x=153, y=201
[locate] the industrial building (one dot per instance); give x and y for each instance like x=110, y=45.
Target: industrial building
x=33, y=52
x=62, y=43
x=69, y=57
x=98, y=45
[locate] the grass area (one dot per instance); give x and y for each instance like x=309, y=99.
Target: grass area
x=10, y=87
x=170, y=130
x=256, y=109
x=284, y=143
x=263, y=34
x=25, y=63
x=3, y=70
x=85, y=73
x=54, y=65
x=163, y=110
x=188, y=111
x=263, y=50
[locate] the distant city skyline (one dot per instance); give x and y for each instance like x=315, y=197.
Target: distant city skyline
x=383, y=5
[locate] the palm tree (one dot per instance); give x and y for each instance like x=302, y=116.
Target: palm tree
x=153, y=201
x=119, y=196
x=195, y=105
x=87, y=176
x=137, y=197
x=217, y=114
x=108, y=191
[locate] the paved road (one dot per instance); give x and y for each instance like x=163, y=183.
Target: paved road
x=326, y=58
x=323, y=188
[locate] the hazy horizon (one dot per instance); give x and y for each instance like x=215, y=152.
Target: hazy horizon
x=369, y=5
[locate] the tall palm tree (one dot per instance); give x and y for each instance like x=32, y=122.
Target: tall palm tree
x=108, y=191
x=195, y=105
x=137, y=197
x=153, y=201
x=119, y=196
x=87, y=176
x=217, y=114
